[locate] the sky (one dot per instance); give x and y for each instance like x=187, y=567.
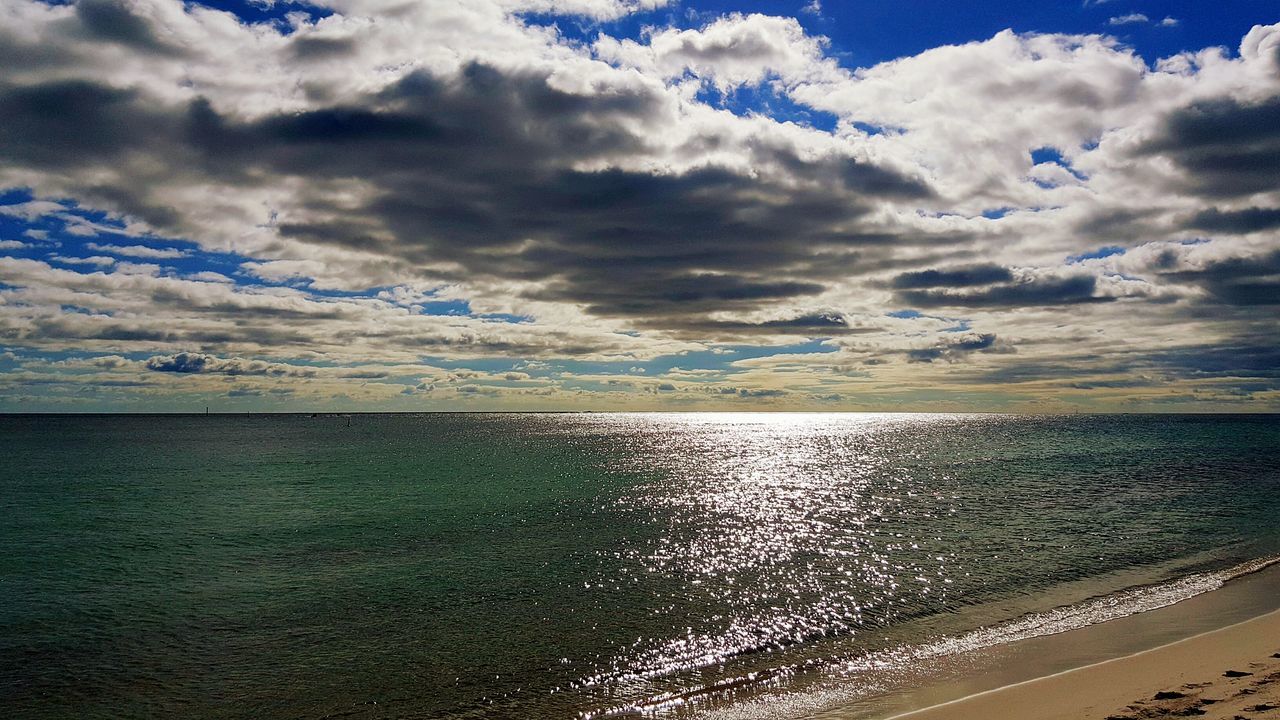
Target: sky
x=364, y=205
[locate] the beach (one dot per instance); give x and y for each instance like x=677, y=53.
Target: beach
x=639, y=360
x=1231, y=673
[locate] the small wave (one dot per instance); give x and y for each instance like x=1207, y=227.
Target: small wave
x=1094, y=611
x=1089, y=612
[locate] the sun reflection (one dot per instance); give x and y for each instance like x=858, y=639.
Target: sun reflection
x=789, y=527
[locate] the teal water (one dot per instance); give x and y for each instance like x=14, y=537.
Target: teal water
x=560, y=566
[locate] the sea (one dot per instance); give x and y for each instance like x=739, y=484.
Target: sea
x=582, y=566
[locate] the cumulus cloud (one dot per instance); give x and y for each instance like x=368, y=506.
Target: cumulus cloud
x=732, y=51
x=200, y=363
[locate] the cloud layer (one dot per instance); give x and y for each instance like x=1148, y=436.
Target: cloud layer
x=350, y=203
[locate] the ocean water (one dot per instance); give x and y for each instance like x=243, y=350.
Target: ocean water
x=576, y=566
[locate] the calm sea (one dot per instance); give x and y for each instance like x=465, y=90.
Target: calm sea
x=565, y=566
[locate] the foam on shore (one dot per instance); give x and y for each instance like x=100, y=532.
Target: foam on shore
x=896, y=680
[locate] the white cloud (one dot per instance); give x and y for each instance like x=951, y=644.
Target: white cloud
x=734, y=50
x=1130, y=19
x=98, y=260
x=137, y=251
x=594, y=9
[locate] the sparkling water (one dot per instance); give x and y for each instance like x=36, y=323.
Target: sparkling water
x=561, y=566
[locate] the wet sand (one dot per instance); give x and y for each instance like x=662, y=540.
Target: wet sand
x=1232, y=673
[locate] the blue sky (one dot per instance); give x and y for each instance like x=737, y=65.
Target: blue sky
x=603, y=204
x=866, y=33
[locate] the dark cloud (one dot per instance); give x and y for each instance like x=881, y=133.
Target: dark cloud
x=478, y=170
x=311, y=47
x=953, y=277
x=861, y=177
x=73, y=124
x=954, y=349
x=75, y=326
x=1244, y=281
x=1254, y=360
x=823, y=324
x=199, y=363
x=181, y=363
x=762, y=393
x=1113, y=225
x=1244, y=357
x=1226, y=147
x=669, y=292
x=809, y=322
x=1073, y=290
x=1261, y=292
x=1253, y=219
x=114, y=21
x=1113, y=384
x=83, y=328
x=17, y=51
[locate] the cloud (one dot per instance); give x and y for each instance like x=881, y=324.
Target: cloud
x=119, y=21
x=465, y=181
x=199, y=363
x=1225, y=147
x=593, y=9
x=1246, y=281
x=1130, y=19
x=1245, y=220
x=506, y=201
x=732, y=51
x=97, y=260
x=1073, y=290
x=954, y=349
x=953, y=277
x=138, y=251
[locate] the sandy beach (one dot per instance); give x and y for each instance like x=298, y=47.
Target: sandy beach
x=1232, y=673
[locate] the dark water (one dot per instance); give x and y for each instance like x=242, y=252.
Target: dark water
x=556, y=566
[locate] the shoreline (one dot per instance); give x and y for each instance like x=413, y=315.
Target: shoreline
x=1096, y=671
x=1241, y=660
